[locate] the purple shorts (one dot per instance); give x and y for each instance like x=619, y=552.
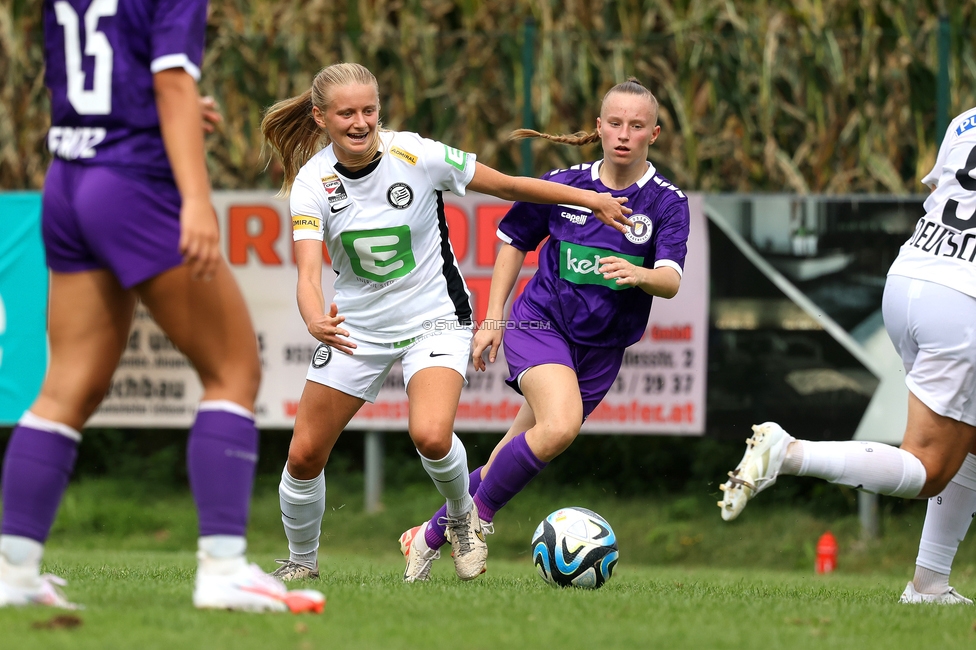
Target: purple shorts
x=100, y=217
x=531, y=343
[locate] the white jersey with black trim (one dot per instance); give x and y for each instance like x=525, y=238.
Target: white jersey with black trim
x=386, y=233
x=943, y=247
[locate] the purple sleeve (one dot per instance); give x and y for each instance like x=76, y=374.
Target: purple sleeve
x=179, y=32
x=525, y=225
x=672, y=234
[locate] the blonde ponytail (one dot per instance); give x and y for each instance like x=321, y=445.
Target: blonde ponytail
x=293, y=135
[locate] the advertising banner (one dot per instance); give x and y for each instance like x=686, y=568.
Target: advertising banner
x=23, y=303
x=660, y=389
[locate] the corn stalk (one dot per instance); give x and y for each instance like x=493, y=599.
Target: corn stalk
x=827, y=96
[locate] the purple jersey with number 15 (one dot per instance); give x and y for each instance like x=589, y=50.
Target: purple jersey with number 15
x=567, y=290
x=101, y=56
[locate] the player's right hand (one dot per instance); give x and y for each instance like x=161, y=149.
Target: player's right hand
x=611, y=211
x=487, y=338
x=326, y=329
x=210, y=114
x=199, y=238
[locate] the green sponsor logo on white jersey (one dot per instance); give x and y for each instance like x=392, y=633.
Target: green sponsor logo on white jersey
x=581, y=264
x=455, y=157
x=380, y=255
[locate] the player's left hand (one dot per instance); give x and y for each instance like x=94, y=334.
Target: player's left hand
x=199, y=238
x=620, y=269
x=210, y=114
x=611, y=211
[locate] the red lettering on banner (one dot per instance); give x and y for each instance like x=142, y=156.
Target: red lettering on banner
x=480, y=287
x=520, y=285
x=486, y=218
x=291, y=408
x=457, y=229
x=240, y=238
x=675, y=333
x=635, y=411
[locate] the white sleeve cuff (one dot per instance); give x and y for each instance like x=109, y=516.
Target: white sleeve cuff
x=505, y=238
x=674, y=265
x=170, y=61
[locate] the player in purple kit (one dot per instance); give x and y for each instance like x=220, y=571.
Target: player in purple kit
x=588, y=301
x=127, y=215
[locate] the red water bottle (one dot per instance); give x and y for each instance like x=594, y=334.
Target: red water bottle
x=826, y=553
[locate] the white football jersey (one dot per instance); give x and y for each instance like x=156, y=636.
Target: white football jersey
x=386, y=232
x=943, y=247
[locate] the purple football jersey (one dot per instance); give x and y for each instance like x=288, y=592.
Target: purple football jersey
x=567, y=288
x=101, y=56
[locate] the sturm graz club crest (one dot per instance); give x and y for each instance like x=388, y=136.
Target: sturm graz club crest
x=640, y=232
x=399, y=195
x=322, y=356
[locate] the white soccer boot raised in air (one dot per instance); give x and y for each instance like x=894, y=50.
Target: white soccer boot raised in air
x=22, y=586
x=418, y=555
x=951, y=597
x=234, y=584
x=757, y=470
x=467, y=539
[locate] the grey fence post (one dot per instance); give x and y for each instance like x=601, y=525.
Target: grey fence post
x=373, y=474
x=867, y=508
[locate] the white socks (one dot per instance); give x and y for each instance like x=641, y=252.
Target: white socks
x=947, y=519
x=20, y=561
x=869, y=466
x=302, y=508
x=450, y=475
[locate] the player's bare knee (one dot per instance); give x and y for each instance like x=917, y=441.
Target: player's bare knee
x=432, y=444
x=306, y=464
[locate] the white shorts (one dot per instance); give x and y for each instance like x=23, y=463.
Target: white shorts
x=933, y=328
x=362, y=373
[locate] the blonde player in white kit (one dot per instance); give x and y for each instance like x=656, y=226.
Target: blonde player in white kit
x=929, y=309
x=374, y=198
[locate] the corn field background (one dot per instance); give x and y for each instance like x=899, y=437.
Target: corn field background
x=825, y=96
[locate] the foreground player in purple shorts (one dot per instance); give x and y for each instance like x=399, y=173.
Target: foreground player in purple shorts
x=588, y=301
x=127, y=215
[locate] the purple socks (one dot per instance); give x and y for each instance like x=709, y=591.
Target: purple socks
x=221, y=458
x=436, y=534
x=513, y=468
x=36, y=469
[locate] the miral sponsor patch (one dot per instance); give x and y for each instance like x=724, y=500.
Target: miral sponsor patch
x=302, y=222
x=405, y=156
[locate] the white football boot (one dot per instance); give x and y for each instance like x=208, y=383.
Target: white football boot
x=418, y=555
x=951, y=597
x=236, y=585
x=757, y=470
x=467, y=539
x=22, y=586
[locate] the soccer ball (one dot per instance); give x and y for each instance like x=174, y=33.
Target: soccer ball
x=575, y=547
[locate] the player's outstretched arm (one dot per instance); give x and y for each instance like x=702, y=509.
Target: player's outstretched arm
x=324, y=326
x=489, y=335
x=606, y=208
x=178, y=103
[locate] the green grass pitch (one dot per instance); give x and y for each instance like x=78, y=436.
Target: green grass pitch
x=685, y=580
